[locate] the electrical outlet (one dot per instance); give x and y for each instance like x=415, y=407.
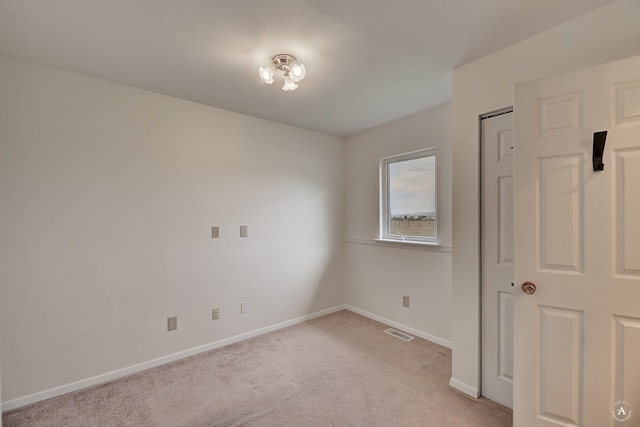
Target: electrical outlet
x=172, y=323
x=243, y=231
x=244, y=307
x=215, y=232
x=215, y=314
x=405, y=302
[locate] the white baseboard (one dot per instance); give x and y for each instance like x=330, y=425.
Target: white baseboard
x=109, y=376
x=400, y=326
x=466, y=389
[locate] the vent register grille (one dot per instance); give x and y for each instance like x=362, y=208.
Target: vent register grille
x=398, y=334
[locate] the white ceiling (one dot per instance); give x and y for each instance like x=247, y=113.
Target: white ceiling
x=368, y=62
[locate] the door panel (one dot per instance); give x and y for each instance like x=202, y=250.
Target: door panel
x=627, y=348
x=577, y=237
x=505, y=220
x=560, y=114
x=505, y=338
x=626, y=165
x=497, y=259
x=627, y=102
x=560, y=193
x=560, y=358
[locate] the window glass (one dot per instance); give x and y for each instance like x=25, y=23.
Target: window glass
x=408, y=196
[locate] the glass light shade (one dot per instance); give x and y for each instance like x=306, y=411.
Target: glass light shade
x=298, y=72
x=289, y=84
x=267, y=73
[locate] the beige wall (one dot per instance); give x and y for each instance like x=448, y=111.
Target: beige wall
x=486, y=85
x=108, y=197
x=378, y=276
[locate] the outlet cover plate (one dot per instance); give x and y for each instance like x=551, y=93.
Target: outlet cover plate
x=405, y=301
x=215, y=314
x=244, y=307
x=172, y=323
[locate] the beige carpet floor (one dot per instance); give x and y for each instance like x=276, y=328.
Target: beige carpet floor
x=336, y=370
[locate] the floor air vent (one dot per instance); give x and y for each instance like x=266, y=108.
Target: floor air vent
x=398, y=334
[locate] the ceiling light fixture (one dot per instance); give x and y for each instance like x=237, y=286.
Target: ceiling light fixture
x=288, y=64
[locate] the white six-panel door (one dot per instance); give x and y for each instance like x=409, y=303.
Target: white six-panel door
x=577, y=238
x=497, y=259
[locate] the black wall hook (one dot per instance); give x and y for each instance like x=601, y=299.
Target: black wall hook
x=599, y=139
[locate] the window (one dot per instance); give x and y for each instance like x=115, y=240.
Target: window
x=408, y=197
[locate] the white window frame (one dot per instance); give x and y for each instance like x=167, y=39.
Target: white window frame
x=385, y=216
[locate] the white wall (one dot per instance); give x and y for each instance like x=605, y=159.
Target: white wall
x=108, y=194
x=486, y=85
x=377, y=276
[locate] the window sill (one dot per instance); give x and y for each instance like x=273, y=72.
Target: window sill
x=409, y=242
x=401, y=244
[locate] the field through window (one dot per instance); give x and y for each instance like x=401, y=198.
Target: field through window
x=413, y=227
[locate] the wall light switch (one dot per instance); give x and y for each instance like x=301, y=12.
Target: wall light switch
x=243, y=231
x=405, y=301
x=244, y=307
x=215, y=232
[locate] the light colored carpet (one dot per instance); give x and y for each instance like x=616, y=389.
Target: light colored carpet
x=337, y=370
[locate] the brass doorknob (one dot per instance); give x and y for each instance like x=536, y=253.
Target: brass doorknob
x=528, y=288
